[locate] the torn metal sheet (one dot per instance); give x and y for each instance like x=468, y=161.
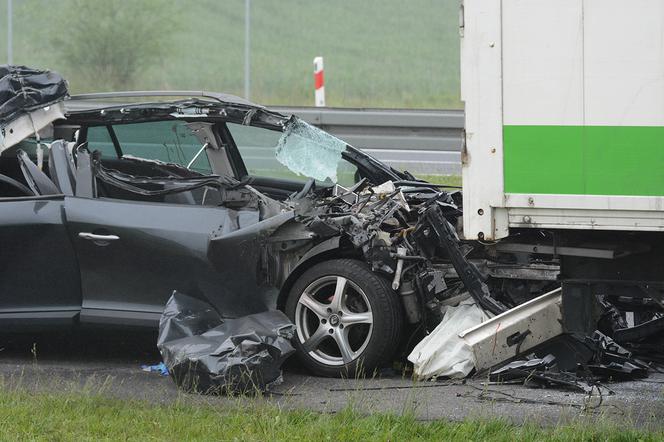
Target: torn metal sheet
x=511, y=333
x=443, y=353
x=441, y=230
x=208, y=354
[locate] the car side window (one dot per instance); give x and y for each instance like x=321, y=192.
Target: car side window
x=168, y=141
x=258, y=147
x=100, y=139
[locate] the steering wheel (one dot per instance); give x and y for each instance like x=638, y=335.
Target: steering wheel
x=16, y=185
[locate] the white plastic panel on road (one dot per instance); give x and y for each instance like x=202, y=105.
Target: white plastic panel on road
x=443, y=353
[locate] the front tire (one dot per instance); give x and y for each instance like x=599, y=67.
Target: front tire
x=348, y=319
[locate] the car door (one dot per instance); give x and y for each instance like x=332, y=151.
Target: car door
x=133, y=254
x=39, y=278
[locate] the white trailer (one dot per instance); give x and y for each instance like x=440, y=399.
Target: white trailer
x=564, y=142
x=564, y=108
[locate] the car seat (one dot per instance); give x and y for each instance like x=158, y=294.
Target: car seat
x=37, y=180
x=62, y=172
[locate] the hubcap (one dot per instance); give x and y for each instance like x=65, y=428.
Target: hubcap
x=333, y=320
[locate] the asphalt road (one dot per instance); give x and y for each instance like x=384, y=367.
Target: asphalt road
x=109, y=364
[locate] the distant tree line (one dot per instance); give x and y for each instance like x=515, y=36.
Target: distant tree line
x=121, y=38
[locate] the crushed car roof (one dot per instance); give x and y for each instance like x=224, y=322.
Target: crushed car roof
x=85, y=103
x=216, y=96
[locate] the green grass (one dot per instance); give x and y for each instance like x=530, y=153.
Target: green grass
x=87, y=416
x=378, y=53
x=448, y=180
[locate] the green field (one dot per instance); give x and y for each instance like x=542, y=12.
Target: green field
x=447, y=180
x=85, y=416
x=378, y=53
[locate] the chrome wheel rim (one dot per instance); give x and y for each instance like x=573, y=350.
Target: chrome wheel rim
x=333, y=320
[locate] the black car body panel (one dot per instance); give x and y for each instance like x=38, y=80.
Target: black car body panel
x=39, y=279
x=161, y=247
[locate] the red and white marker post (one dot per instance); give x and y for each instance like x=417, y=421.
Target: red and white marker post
x=319, y=82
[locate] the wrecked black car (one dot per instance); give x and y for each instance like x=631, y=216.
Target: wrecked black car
x=108, y=207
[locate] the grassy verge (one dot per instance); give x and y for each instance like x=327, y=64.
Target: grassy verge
x=448, y=180
x=86, y=416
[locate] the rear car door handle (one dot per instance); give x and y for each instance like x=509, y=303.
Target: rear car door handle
x=94, y=237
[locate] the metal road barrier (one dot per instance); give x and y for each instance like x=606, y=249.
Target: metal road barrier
x=420, y=141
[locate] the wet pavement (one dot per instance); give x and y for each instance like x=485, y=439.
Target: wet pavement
x=105, y=363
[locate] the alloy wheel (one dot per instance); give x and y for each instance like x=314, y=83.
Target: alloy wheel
x=334, y=320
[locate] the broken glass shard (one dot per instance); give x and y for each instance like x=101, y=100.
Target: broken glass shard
x=308, y=151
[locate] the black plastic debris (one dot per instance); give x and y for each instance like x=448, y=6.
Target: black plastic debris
x=611, y=320
x=539, y=373
x=597, y=358
x=521, y=369
x=569, y=350
x=23, y=89
x=642, y=331
x=208, y=354
x=644, y=336
x=612, y=361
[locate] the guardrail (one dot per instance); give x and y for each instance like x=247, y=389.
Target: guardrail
x=420, y=141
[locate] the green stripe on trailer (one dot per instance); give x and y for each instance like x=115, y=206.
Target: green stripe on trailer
x=584, y=160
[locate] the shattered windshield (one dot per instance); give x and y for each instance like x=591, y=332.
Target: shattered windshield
x=309, y=151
